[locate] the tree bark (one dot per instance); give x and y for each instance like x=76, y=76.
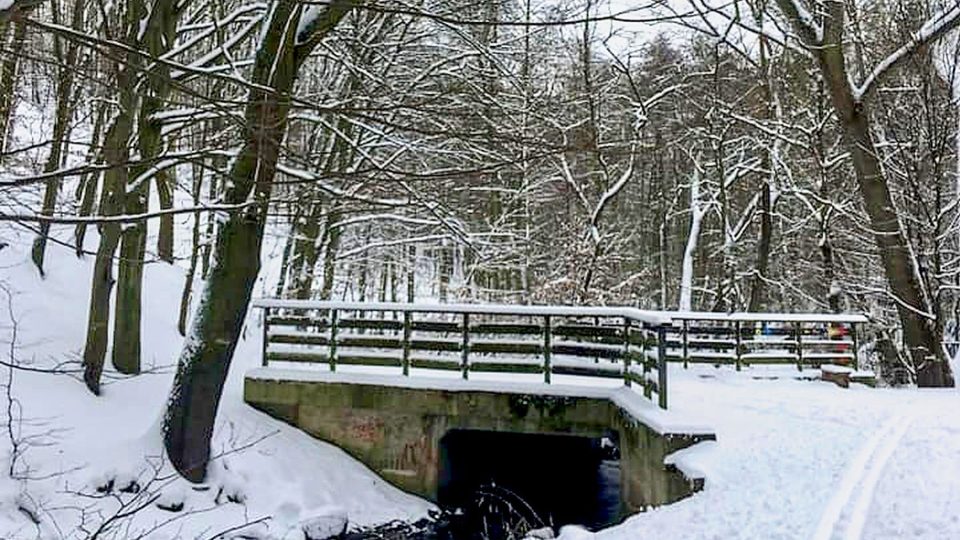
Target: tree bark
x=202, y=368
x=157, y=37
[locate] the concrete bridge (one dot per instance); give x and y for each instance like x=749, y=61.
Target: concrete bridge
x=395, y=427
x=397, y=379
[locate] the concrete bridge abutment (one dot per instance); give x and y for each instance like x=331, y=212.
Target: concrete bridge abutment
x=395, y=425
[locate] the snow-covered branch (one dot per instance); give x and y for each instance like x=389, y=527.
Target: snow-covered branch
x=937, y=26
x=806, y=24
x=123, y=218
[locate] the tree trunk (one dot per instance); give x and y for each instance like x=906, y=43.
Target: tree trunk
x=165, y=180
x=332, y=234
x=87, y=188
x=306, y=251
x=203, y=365
x=763, y=248
x=61, y=127
x=157, y=38
x=186, y=295
x=8, y=81
x=765, y=240
x=697, y=213
x=116, y=154
x=920, y=334
x=411, y=274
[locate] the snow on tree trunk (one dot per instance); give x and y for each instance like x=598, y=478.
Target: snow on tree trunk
x=205, y=359
x=693, y=238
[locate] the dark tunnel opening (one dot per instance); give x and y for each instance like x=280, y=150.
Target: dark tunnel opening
x=563, y=479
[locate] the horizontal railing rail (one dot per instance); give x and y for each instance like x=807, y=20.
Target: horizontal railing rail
x=613, y=343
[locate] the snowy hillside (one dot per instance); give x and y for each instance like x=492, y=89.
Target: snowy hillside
x=72, y=446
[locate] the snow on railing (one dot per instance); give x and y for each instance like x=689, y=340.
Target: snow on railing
x=606, y=342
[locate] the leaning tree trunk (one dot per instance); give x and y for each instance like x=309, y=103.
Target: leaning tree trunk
x=202, y=369
x=919, y=333
x=826, y=44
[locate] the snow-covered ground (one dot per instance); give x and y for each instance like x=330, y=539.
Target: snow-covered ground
x=794, y=459
x=807, y=460
x=267, y=474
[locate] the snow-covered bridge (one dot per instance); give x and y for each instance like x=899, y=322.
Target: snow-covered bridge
x=388, y=382
x=620, y=343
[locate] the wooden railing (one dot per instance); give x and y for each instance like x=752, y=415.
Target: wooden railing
x=802, y=339
x=613, y=343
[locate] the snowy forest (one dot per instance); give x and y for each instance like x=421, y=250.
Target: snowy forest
x=684, y=155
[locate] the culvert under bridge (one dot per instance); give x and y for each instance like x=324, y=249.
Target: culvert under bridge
x=419, y=433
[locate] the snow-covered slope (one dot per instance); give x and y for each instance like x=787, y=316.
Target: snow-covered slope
x=71, y=443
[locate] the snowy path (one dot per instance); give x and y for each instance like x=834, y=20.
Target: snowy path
x=806, y=460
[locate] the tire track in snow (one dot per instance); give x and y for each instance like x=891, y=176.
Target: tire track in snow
x=858, y=471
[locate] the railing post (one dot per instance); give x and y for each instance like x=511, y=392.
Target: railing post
x=856, y=345
x=407, y=331
x=596, y=324
x=686, y=344
x=333, y=339
x=648, y=333
x=798, y=336
x=739, y=344
x=662, y=366
x=465, y=348
x=627, y=359
x=547, y=350
x=266, y=336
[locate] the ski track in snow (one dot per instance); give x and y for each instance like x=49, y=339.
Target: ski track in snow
x=869, y=480
x=863, y=472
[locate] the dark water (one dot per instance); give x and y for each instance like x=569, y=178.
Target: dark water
x=556, y=479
